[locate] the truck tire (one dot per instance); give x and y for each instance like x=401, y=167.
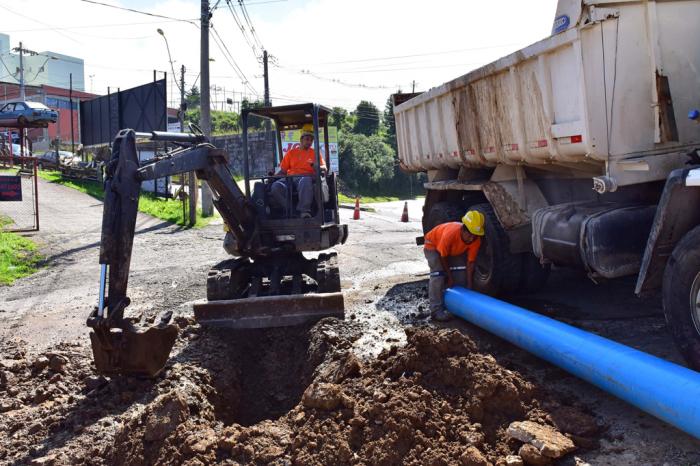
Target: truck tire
x=681, y=296
x=497, y=271
x=442, y=212
x=533, y=275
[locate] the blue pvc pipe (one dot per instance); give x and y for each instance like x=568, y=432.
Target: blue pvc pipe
x=665, y=390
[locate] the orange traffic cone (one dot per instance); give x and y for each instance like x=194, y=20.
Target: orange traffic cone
x=356, y=214
x=404, y=215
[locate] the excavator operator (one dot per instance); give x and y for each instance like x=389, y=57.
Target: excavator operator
x=445, y=242
x=299, y=162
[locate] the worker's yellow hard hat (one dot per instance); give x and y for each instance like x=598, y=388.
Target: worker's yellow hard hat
x=307, y=130
x=474, y=221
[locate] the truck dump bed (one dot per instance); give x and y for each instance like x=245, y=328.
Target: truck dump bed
x=608, y=95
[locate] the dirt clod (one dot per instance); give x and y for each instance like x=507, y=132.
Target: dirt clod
x=548, y=441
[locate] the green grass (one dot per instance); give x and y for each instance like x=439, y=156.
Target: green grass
x=366, y=199
x=166, y=209
x=18, y=255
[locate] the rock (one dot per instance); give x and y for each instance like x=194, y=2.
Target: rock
x=327, y=396
x=8, y=405
x=473, y=457
x=201, y=441
x=40, y=395
x=56, y=378
x=531, y=455
x=7, y=379
x=44, y=460
x=166, y=413
x=514, y=460
x=40, y=363
x=94, y=382
x=573, y=421
x=57, y=363
x=34, y=428
x=337, y=371
x=547, y=440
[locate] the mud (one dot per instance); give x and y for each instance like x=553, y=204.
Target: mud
x=279, y=396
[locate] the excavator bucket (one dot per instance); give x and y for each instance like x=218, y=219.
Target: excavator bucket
x=270, y=311
x=132, y=351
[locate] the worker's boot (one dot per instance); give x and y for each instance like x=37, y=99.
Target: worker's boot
x=441, y=316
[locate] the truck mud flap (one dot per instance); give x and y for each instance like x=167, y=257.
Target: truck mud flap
x=270, y=311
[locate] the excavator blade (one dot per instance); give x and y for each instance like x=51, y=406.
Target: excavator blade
x=132, y=351
x=270, y=311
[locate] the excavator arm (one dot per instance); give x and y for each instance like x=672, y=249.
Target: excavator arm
x=118, y=345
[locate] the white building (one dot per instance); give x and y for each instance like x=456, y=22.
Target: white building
x=44, y=68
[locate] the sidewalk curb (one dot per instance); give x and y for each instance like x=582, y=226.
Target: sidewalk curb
x=352, y=207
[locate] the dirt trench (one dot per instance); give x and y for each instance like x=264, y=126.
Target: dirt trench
x=280, y=396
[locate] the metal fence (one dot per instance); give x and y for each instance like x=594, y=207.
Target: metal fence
x=19, y=194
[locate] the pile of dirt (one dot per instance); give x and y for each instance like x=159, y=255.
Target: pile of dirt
x=286, y=396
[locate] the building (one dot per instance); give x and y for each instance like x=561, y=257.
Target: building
x=56, y=98
x=43, y=68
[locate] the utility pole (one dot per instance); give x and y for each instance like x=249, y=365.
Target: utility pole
x=267, y=82
x=22, y=51
x=191, y=176
x=72, y=133
x=207, y=197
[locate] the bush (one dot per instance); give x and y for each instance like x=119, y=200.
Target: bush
x=366, y=163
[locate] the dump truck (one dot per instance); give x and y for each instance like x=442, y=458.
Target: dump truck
x=267, y=281
x=581, y=150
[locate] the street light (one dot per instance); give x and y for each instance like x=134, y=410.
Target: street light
x=170, y=58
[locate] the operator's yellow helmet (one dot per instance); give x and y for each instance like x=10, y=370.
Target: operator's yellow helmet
x=307, y=130
x=474, y=221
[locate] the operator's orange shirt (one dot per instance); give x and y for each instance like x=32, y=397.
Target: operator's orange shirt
x=447, y=240
x=298, y=161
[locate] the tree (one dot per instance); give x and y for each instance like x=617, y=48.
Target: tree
x=366, y=163
x=193, y=98
x=337, y=117
x=390, y=124
x=367, y=122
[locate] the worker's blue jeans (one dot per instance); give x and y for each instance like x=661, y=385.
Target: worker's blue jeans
x=305, y=189
x=438, y=277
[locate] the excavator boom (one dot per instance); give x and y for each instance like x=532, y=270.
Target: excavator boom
x=251, y=293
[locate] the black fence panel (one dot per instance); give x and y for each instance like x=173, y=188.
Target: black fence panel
x=141, y=108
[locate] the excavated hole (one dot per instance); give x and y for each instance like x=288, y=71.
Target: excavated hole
x=258, y=374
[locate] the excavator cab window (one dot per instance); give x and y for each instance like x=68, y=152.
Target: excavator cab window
x=269, y=134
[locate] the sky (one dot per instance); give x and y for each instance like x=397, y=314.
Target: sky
x=333, y=52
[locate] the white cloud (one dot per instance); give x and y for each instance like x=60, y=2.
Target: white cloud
x=439, y=40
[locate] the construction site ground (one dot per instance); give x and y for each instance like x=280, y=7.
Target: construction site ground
x=385, y=386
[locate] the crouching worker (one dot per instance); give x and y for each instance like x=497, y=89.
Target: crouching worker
x=446, y=241
x=301, y=163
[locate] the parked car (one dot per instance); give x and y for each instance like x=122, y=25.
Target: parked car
x=5, y=134
x=52, y=160
x=27, y=114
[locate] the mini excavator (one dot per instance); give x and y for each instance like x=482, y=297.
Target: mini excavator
x=267, y=283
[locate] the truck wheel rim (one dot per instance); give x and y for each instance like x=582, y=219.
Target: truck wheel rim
x=695, y=302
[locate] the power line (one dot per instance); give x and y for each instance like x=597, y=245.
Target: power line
x=241, y=28
x=444, y=52
x=229, y=57
x=241, y=5
x=42, y=23
x=334, y=80
x=94, y=2
x=93, y=26
x=6, y=68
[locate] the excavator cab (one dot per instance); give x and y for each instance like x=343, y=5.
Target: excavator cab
x=278, y=274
